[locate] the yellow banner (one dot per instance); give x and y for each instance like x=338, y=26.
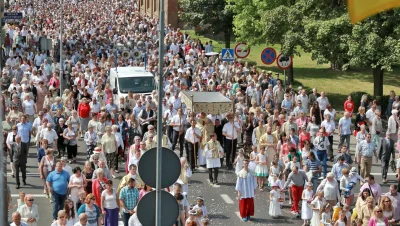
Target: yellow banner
x=362, y=9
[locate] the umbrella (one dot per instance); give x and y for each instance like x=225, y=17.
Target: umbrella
x=212, y=54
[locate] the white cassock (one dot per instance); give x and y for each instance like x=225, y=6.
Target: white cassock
x=184, y=178
x=213, y=156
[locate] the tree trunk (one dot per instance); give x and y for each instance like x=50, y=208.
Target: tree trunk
x=227, y=36
x=290, y=74
x=378, y=81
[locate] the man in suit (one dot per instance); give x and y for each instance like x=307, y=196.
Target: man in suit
x=20, y=160
x=386, y=150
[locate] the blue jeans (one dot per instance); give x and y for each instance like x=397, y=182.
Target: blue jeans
x=323, y=156
x=315, y=183
x=58, y=203
x=125, y=218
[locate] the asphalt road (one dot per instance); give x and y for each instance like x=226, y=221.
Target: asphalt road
x=220, y=200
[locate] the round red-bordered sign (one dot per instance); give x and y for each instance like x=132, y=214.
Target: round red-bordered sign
x=284, y=62
x=242, y=50
x=268, y=56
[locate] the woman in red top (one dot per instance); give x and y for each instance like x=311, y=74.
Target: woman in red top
x=84, y=114
x=349, y=105
x=303, y=136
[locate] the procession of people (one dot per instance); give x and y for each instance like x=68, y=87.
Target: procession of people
x=277, y=140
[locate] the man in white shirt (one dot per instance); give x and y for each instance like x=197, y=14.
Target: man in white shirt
x=329, y=126
x=322, y=144
x=303, y=98
x=50, y=135
x=175, y=101
x=230, y=132
x=167, y=116
x=193, y=136
x=177, y=123
x=345, y=130
x=370, y=114
x=95, y=106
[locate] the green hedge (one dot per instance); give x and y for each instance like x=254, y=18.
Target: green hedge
x=382, y=100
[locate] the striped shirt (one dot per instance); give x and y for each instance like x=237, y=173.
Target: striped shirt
x=314, y=165
x=129, y=196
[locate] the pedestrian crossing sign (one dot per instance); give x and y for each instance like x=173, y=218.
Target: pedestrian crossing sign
x=227, y=55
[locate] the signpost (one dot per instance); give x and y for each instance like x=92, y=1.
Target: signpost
x=12, y=17
x=268, y=56
x=242, y=50
x=227, y=55
x=284, y=62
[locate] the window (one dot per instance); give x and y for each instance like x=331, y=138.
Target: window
x=136, y=84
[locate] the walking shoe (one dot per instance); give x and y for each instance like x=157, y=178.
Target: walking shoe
x=248, y=218
x=244, y=219
x=216, y=182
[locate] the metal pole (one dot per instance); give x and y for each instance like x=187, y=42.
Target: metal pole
x=3, y=167
x=284, y=76
x=61, y=49
x=159, y=115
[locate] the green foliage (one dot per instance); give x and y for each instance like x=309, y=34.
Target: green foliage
x=211, y=13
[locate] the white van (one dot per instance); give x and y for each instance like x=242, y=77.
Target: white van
x=135, y=79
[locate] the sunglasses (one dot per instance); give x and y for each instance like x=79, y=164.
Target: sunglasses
x=31, y=200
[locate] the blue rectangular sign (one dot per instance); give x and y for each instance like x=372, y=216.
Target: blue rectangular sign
x=13, y=16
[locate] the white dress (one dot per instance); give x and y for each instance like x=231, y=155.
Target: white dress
x=239, y=165
x=201, y=160
x=252, y=164
x=74, y=194
x=274, y=207
x=306, y=211
x=261, y=169
x=315, y=220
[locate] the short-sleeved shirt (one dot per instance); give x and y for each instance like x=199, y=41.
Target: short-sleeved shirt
x=129, y=196
x=24, y=131
x=59, y=181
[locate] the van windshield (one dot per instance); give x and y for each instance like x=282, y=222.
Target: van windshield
x=136, y=84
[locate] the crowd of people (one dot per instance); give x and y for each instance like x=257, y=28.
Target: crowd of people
x=278, y=138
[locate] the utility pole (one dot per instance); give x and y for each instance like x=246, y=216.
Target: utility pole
x=61, y=49
x=159, y=115
x=3, y=161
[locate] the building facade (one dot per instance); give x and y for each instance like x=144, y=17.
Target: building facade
x=152, y=8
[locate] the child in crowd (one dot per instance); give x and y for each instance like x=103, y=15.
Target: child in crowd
x=200, y=205
x=316, y=205
x=253, y=155
x=21, y=200
x=354, y=176
x=261, y=171
x=342, y=221
x=343, y=152
x=326, y=215
x=274, y=207
x=306, y=211
x=281, y=183
x=239, y=161
x=273, y=170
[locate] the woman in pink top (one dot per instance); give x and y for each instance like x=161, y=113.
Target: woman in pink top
x=285, y=147
x=303, y=136
x=146, y=189
x=377, y=218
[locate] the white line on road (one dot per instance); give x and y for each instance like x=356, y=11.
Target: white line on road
x=379, y=174
x=34, y=195
x=28, y=174
x=227, y=199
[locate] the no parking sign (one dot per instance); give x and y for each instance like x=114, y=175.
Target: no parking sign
x=268, y=56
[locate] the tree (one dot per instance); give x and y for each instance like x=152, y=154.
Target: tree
x=211, y=14
x=272, y=22
x=375, y=43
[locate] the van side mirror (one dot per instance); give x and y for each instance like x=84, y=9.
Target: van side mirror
x=115, y=91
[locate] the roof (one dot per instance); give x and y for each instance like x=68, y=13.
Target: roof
x=132, y=71
x=208, y=102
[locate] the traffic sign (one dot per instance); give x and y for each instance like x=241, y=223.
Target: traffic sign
x=242, y=50
x=268, y=55
x=171, y=167
x=12, y=16
x=227, y=55
x=284, y=62
x=146, y=209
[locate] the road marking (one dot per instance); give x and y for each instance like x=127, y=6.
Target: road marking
x=28, y=174
x=227, y=199
x=380, y=174
x=34, y=195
